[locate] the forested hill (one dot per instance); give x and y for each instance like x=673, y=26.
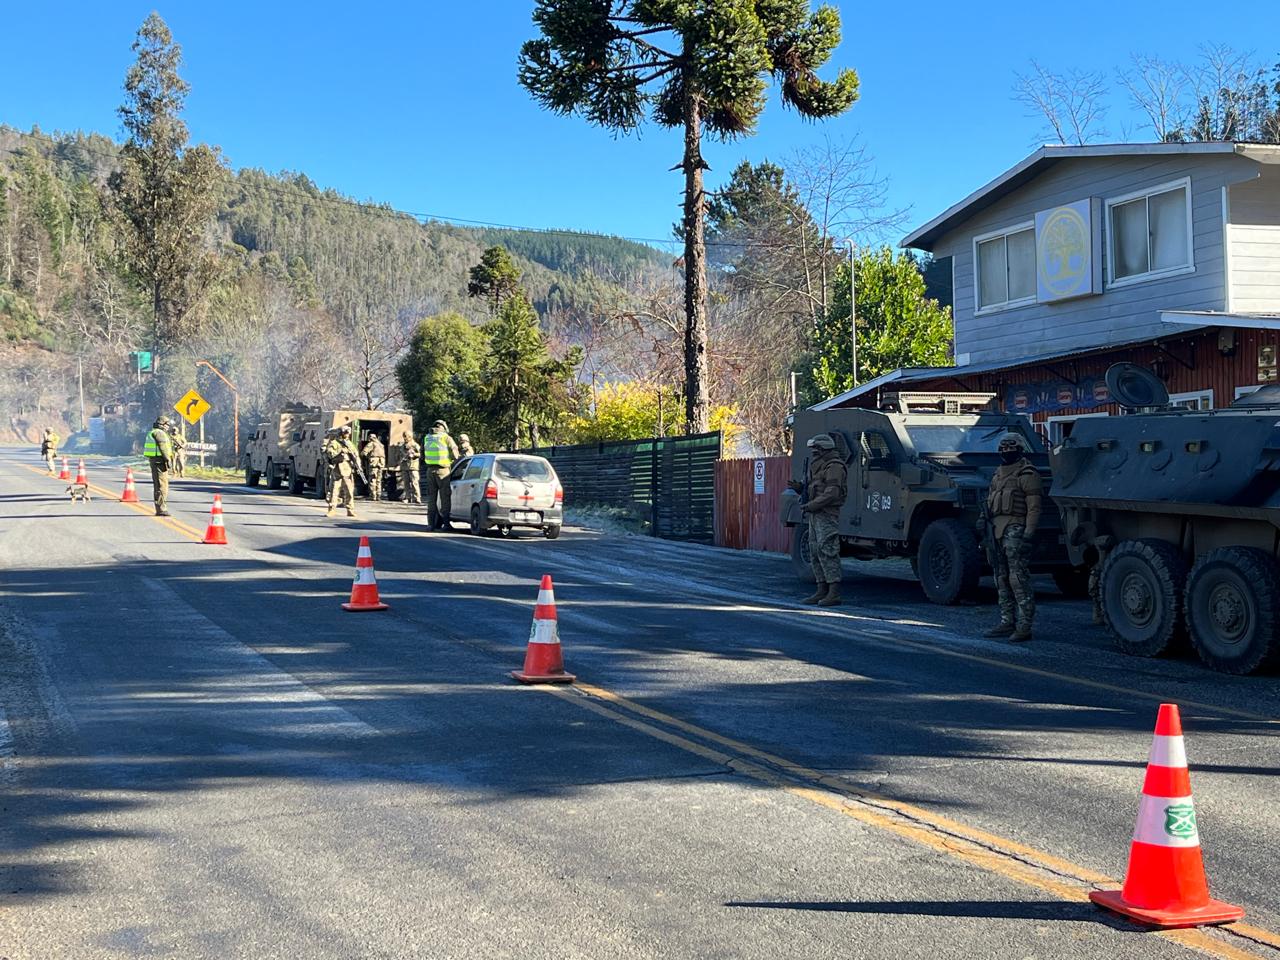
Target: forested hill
x=300, y=267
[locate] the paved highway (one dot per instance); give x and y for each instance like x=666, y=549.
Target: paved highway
x=202, y=755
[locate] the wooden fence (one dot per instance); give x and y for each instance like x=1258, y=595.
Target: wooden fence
x=747, y=519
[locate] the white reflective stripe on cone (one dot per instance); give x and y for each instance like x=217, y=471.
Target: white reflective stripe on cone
x=1168, y=752
x=546, y=598
x=364, y=576
x=1167, y=822
x=215, y=520
x=364, y=554
x=544, y=631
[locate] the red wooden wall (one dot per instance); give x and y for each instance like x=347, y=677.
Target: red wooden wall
x=746, y=520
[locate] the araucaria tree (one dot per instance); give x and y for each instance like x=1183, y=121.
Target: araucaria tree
x=165, y=192
x=699, y=65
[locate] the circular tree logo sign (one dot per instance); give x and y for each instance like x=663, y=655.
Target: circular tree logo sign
x=1063, y=252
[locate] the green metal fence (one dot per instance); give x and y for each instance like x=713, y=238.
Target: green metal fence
x=666, y=485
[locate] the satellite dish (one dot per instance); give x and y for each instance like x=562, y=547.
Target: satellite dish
x=1133, y=387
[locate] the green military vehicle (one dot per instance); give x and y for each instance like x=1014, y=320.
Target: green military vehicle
x=307, y=465
x=1181, y=509
x=919, y=469
x=266, y=453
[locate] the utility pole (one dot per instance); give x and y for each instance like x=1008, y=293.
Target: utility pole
x=853, y=314
x=235, y=410
x=84, y=424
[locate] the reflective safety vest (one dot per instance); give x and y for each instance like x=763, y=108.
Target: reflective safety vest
x=154, y=447
x=435, y=452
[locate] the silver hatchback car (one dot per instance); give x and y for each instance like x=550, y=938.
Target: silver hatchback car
x=507, y=490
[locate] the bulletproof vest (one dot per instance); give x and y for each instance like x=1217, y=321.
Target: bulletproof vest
x=1006, y=497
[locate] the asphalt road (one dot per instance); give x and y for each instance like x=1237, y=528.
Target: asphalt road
x=202, y=755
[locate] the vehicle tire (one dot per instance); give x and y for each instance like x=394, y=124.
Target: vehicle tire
x=1142, y=585
x=295, y=481
x=1233, y=608
x=949, y=561
x=251, y=477
x=273, y=476
x=800, y=553
x=1072, y=581
x=551, y=533
x=478, y=526
x=322, y=482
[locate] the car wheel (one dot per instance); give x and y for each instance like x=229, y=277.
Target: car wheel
x=273, y=477
x=949, y=561
x=1142, y=586
x=295, y=481
x=800, y=556
x=1233, y=608
x=551, y=533
x=477, y=522
x=251, y=477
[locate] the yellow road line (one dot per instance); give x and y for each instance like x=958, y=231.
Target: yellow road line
x=171, y=522
x=999, y=855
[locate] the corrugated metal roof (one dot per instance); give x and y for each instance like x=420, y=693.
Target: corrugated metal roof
x=1200, y=318
x=924, y=237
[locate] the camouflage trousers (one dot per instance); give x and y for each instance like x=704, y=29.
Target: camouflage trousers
x=824, y=547
x=1012, y=564
x=376, y=469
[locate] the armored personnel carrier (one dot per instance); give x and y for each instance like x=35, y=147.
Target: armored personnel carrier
x=1180, y=511
x=919, y=471
x=307, y=466
x=266, y=454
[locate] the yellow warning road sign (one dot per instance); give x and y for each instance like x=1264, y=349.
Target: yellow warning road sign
x=192, y=407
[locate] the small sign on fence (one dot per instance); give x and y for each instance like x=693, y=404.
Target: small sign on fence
x=759, y=478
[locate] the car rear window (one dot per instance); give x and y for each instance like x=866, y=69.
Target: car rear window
x=523, y=468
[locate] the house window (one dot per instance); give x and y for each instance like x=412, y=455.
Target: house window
x=1196, y=400
x=1149, y=234
x=1005, y=267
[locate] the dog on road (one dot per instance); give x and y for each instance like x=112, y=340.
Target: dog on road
x=79, y=492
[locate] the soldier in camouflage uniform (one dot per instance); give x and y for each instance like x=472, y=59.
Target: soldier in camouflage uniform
x=465, y=449
x=411, y=470
x=375, y=461
x=827, y=487
x=1013, y=510
x=344, y=460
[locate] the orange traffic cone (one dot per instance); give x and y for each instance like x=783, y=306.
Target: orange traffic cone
x=1165, y=885
x=130, y=494
x=66, y=471
x=542, y=660
x=81, y=477
x=215, y=532
x=364, y=588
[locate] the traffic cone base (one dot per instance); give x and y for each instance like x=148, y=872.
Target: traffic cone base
x=1165, y=884
x=543, y=662
x=364, y=588
x=130, y=490
x=65, y=474
x=216, y=533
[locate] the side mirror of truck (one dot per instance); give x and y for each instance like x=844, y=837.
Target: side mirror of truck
x=297, y=438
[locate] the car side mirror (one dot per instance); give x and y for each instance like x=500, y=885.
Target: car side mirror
x=297, y=438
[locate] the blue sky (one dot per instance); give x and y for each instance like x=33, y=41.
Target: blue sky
x=417, y=105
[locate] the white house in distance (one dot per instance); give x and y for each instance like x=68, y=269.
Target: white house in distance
x=1164, y=254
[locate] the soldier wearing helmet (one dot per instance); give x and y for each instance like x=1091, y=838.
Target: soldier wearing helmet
x=344, y=460
x=158, y=449
x=1013, y=510
x=438, y=455
x=465, y=448
x=827, y=488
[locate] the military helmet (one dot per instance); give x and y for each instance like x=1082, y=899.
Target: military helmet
x=162, y=421
x=442, y=425
x=345, y=429
x=463, y=436
x=822, y=441
x=1011, y=442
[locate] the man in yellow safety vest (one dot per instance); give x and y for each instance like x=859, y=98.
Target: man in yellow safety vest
x=438, y=453
x=158, y=449
x=49, y=448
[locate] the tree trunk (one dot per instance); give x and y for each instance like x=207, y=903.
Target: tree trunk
x=697, y=406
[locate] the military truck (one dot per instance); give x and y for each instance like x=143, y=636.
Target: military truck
x=306, y=458
x=919, y=470
x=1180, y=510
x=266, y=453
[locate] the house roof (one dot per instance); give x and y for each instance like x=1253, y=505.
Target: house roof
x=923, y=238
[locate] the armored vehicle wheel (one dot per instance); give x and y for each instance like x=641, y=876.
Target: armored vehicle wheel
x=800, y=555
x=1072, y=581
x=273, y=476
x=322, y=482
x=251, y=477
x=295, y=481
x=1142, y=585
x=949, y=561
x=1233, y=608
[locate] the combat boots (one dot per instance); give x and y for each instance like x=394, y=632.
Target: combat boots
x=832, y=599
x=817, y=596
x=329, y=512
x=1022, y=633
x=1004, y=628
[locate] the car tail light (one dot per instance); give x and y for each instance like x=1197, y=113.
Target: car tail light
x=559, y=495
x=491, y=491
